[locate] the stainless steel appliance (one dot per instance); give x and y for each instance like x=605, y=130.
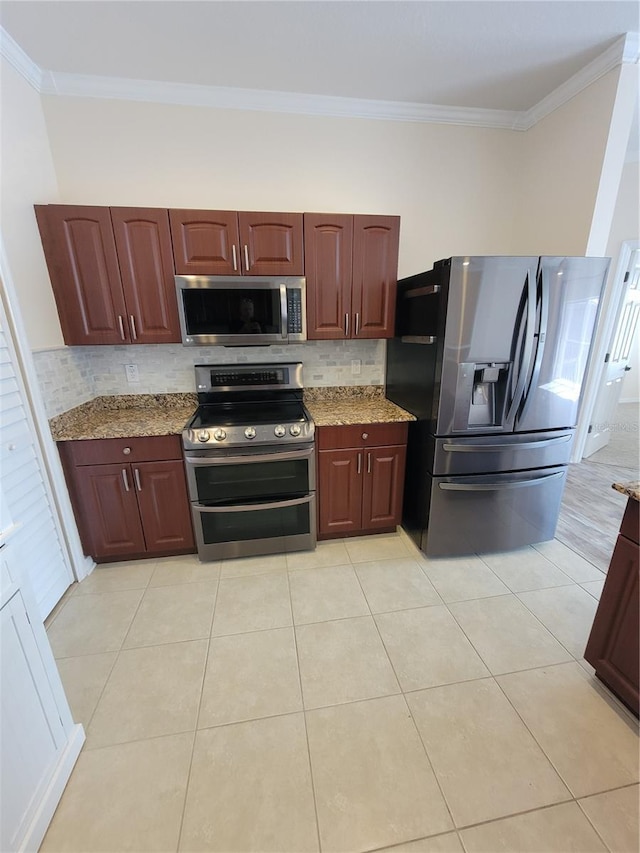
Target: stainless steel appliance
x=490, y=356
x=250, y=461
x=241, y=310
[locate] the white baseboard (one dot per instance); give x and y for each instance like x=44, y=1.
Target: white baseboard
x=37, y=829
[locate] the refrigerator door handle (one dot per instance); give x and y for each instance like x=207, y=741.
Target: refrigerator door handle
x=528, y=347
x=490, y=448
x=541, y=337
x=498, y=487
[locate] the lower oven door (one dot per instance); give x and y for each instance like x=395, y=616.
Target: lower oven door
x=259, y=502
x=249, y=529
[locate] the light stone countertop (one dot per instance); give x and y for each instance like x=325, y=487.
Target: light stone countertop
x=631, y=489
x=131, y=415
x=345, y=405
x=125, y=416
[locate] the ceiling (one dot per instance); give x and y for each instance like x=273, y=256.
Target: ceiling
x=489, y=54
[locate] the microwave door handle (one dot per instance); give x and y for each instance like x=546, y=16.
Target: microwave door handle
x=284, y=320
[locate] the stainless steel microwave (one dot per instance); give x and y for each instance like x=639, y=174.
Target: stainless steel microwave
x=241, y=310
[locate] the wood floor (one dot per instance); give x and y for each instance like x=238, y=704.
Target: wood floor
x=591, y=510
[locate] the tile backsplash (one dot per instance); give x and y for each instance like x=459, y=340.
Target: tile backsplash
x=70, y=376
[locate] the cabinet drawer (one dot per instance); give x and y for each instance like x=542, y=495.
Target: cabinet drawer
x=361, y=435
x=103, y=451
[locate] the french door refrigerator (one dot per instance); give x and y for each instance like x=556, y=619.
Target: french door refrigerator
x=490, y=356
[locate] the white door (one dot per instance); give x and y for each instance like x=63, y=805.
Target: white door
x=617, y=361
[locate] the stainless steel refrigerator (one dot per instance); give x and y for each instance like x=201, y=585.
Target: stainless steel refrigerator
x=490, y=356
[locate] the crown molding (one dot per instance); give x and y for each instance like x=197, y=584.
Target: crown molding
x=625, y=50
x=89, y=86
x=23, y=64
x=622, y=51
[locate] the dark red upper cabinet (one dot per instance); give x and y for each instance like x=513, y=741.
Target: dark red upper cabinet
x=328, y=249
x=271, y=243
x=352, y=268
x=375, y=272
x=205, y=242
x=143, y=244
x=83, y=267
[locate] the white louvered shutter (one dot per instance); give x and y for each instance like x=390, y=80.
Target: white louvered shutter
x=24, y=491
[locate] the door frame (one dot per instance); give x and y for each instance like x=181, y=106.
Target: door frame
x=78, y=565
x=612, y=297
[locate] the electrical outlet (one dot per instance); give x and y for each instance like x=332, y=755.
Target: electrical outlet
x=131, y=372
x=356, y=366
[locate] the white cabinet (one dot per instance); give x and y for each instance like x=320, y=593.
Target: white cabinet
x=39, y=743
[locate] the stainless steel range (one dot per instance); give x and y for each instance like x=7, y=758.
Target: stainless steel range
x=250, y=461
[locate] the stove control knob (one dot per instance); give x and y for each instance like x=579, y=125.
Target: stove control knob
x=249, y=432
x=294, y=430
x=203, y=435
x=219, y=435
x=279, y=431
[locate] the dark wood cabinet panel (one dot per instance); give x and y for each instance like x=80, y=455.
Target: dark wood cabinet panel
x=375, y=271
x=107, y=503
x=351, y=265
x=128, y=498
x=328, y=253
x=360, y=487
x=205, y=242
x=383, y=487
x=83, y=267
x=613, y=646
x=164, y=506
x=143, y=244
x=339, y=492
x=271, y=243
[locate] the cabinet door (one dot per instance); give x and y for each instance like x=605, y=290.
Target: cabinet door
x=143, y=243
x=31, y=731
x=107, y=505
x=612, y=648
x=375, y=274
x=205, y=242
x=328, y=251
x=339, y=492
x=164, y=506
x=271, y=243
x=383, y=487
x=83, y=266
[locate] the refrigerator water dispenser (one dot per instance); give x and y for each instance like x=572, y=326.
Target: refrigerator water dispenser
x=481, y=394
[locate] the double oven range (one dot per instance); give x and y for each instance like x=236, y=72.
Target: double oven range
x=250, y=461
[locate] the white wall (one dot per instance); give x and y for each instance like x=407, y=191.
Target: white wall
x=28, y=176
x=561, y=164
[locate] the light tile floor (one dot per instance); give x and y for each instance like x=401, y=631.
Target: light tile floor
x=356, y=698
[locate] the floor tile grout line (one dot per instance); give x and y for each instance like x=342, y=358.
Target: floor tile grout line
x=304, y=718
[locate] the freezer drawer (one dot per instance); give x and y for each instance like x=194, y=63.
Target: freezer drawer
x=491, y=512
x=518, y=452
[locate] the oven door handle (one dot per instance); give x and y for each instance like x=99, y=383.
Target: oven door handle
x=253, y=507
x=258, y=457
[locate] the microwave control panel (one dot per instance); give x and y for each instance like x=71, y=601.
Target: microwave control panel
x=294, y=311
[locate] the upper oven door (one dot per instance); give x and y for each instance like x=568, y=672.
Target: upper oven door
x=259, y=476
x=215, y=310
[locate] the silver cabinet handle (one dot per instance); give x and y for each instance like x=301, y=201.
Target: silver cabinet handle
x=125, y=480
x=359, y=463
x=235, y=257
x=133, y=328
x=136, y=474
x=368, y=463
x=246, y=257
x=365, y=435
x=346, y=325
x=357, y=324
x=121, y=324
x=126, y=450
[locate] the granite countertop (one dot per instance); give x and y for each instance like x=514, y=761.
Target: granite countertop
x=631, y=489
x=125, y=416
x=344, y=405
